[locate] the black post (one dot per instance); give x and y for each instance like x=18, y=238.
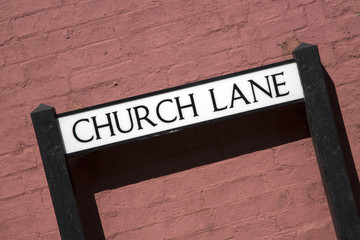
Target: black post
x=332, y=160
x=57, y=174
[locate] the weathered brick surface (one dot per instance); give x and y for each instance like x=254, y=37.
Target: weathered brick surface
x=72, y=54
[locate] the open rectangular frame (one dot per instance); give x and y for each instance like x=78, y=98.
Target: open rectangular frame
x=327, y=131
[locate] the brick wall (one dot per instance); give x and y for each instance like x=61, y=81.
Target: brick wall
x=223, y=181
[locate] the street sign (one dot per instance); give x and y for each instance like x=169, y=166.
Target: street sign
x=177, y=108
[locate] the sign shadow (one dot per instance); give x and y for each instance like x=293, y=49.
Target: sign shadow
x=171, y=153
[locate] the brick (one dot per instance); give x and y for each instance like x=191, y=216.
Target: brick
x=297, y=4
x=253, y=207
x=48, y=87
x=109, y=51
x=37, y=46
x=19, y=8
x=167, y=229
x=34, y=179
x=230, y=172
x=20, y=206
x=179, y=10
x=11, y=186
x=98, y=76
x=46, y=199
x=234, y=14
x=293, y=20
x=309, y=192
x=147, y=40
x=13, y=162
x=183, y=73
x=283, y=221
x=62, y=17
x=328, y=55
x=341, y=49
x=15, y=120
x=45, y=67
x=150, y=16
x=335, y=30
x=204, y=24
x=292, y=175
x=5, y=32
x=76, y=36
x=264, y=11
x=336, y=9
x=53, y=235
x=130, y=196
x=294, y=154
x=223, y=232
x=215, y=65
x=71, y=54
x=322, y=229
x=215, y=43
x=38, y=222
x=12, y=76
x=314, y=13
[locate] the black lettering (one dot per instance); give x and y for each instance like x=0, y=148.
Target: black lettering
x=186, y=106
x=75, y=134
x=109, y=124
x=252, y=83
x=158, y=112
x=276, y=85
x=242, y=96
x=118, y=124
x=138, y=118
x=214, y=102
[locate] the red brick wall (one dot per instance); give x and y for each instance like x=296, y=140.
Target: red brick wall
x=72, y=54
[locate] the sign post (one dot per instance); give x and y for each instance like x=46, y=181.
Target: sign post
x=170, y=110
x=57, y=173
x=339, y=189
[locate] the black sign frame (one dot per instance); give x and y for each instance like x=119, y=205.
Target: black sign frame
x=327, y=131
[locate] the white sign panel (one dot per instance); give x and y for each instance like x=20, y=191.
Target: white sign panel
x=180, y=107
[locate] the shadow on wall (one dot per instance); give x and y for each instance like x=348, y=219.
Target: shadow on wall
x=139, y=161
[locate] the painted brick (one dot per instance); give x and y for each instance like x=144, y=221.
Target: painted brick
x=62, y=17
x=35, y=179
x=17, y=161
x=168, y=229
x=11, y=186
x=103, y=75
x=293, y=20
x=223, y=173
x=37, y=46
x=12, y=76
x=48, y=87
x=314, y=13
x=71, y=54
x=19, y=8
x=5, y=32
x=214, y=43
x=20, y=206
x=14, y=120
x=296, y=4
x=179, y=10
x=234, y=14
x=335, y=10
x=130, y=196
x=204, y=24
x=264, y=11
x=39, y=222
